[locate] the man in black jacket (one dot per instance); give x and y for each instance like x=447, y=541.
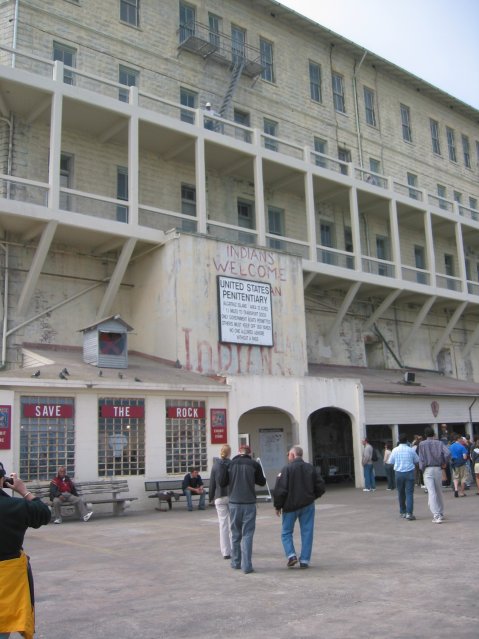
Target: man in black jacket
x=241, y=476
x=16, y=583
x=297, y=486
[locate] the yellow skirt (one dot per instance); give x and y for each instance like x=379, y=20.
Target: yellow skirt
x=16, y=609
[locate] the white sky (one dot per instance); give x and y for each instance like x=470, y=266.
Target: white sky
x=436, y=40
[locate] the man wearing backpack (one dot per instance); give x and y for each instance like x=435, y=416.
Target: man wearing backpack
x=367, y=461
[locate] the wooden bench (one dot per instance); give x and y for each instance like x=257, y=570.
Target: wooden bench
x=167, y=490
x=102, y=491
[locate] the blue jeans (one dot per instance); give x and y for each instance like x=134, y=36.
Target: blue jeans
x=389, y=469
x=243, y=524
x=306, y=525
x=369, y=478
x=189, y=500
x=405, y=488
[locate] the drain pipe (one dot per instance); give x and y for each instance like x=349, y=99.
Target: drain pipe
x=356, y=108
x=15, y=32
x=5, y=310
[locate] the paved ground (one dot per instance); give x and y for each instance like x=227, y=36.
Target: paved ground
x=158, y=575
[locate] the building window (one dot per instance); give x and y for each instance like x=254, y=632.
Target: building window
x=406, y=123
x=457, y=197
x=185, y=438
x=420, y=262
x=245, y=214
x=466, y=151
x=46, y=442
x=266, y=53
x=214, y=24
x=442, y=194
x=369, y=100
x=66, y=180
x=345, y=156
x=122, y=193
x=326, y=232
x=436, y=145
x=338, y=93
x=242, y=117
x=320, y=146
x=477, y=152
x=187, y=21
x=315, y=81
x=128, y=77
x=382, y=253
x=67, y=55
x=451, y=144
x=473, y=203
x=238, y=41
x=188, y=99
x=270, y=128
x=375, y=166
x=121, y=440
x=130, y=12
x=348, y=246
x=275, y=226
x=449, y=270
x=188, y=200
x=412, y=182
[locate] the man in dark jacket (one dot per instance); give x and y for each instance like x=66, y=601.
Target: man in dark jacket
x=63, y=491
x=16, y=583
x=241, y=476
x=297, y=486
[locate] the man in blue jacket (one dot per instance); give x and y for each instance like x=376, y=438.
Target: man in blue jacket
x=241, y=476
x=298, y=485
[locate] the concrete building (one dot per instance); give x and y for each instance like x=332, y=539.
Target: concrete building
x=297, y=262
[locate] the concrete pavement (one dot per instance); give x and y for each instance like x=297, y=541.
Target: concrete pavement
x=160, y=575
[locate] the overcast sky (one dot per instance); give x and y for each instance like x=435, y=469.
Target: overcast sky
x=436, y=40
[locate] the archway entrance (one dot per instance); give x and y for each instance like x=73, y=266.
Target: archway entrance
x=332, y=444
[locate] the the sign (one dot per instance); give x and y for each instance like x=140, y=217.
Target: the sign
x=52, y=411
x=185, y=412
x=245, y=312
x=219, y=433
x=122, y=412
x=5, y=427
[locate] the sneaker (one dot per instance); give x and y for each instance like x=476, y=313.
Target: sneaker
x=403, y=515
x=57, y=521
x=292, y=561
x=366, y=490
x=456, y=494
x=87, y=516
x=303, y=565
x=227, y=557
x=410, y=517
x=373, y=490
x=388, y=488
x=437, y=519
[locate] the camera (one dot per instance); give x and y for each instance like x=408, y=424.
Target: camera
x=8, y=480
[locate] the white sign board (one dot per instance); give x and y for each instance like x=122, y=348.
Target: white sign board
x=245, y=311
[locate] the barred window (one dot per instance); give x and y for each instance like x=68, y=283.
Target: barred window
x=185, y=438
x=47, y=437
x=121, y=437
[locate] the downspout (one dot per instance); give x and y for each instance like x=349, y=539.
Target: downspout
x=356, y=108
x=470, y=412
x=15, y=31
x=5, y=310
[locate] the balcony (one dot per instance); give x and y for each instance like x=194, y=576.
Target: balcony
x=198, y=38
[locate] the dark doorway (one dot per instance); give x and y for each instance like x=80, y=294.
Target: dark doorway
x=332, y=443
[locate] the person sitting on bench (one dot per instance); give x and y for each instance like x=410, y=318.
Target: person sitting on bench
x=63, y=491
x=193, y=485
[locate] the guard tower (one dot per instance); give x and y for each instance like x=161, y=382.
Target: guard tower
x=105, y=343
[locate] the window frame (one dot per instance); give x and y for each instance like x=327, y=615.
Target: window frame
x=315, y=77
x=270, y=127
x=339, y=101
x=267, y=60
x=245, y=221
x=406, y=123
x=435, y=136
x=466, y=150
x=130, y=12
x=451, y=144
x=187, y=95
x=214, y=29
x=370, y=106
x=132, y=77
x=59, y=52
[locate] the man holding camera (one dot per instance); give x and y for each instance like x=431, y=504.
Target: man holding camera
x=16, y=583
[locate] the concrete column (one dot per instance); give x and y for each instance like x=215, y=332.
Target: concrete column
x=200, y=171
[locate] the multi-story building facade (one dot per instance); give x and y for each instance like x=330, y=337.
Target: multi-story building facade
x=261, y=200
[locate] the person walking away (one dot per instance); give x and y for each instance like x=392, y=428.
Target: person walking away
x=219, y=496
x=367, y=461
x=434, y=456
x=475, y=462
x=16, y=581
x=404, y=459
x=297, y=487
x=240, y=476
x=458, y=464
x=388, y=468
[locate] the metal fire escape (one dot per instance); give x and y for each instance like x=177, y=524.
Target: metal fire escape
x=240, y=58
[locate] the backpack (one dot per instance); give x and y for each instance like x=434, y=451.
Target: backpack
x=374, y=457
